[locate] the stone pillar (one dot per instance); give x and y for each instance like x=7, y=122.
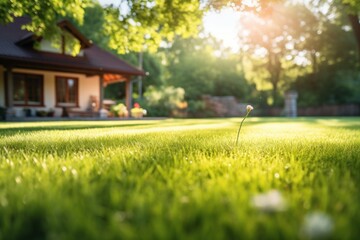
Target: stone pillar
x=291, y=104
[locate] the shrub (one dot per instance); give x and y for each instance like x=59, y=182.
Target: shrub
x=197, y=108
x=119, y=110
x=163, y=100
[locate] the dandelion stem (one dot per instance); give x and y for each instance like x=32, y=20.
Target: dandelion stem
x=237, y=138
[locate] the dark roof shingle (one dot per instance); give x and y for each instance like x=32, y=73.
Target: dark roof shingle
x=95, y=59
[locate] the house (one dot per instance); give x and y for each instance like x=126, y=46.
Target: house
x=37, y=74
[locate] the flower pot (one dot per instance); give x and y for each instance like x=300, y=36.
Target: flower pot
x=137, y=115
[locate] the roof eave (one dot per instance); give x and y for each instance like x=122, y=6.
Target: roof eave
x=15, y=62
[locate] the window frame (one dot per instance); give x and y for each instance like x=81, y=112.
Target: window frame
x=26, y=89
x=67, y=104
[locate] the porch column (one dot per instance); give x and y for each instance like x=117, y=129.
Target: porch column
x=10, y=92
x=101, y=88
x=128, y=94
x=103, y=113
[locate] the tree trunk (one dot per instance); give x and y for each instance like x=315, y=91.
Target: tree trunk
x=275, y=93
x=355, y=24
x=314, y=62
x=274, y=68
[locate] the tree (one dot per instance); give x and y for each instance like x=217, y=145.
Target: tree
x=202, y=67
x=350, y=7
x=133, y=25
x=147, y=23
x=269, y=43
x=94, y=19
x=43, y=13
x=332, y=84
x=333, y=79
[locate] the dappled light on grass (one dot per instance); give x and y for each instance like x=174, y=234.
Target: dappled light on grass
x=181, y=179
x=316, y=225
x=271, y=201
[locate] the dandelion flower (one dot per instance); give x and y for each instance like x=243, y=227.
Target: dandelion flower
x=249, y=108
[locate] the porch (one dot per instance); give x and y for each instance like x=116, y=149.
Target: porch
x=44, y=93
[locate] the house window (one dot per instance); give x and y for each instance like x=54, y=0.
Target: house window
x=63, y=43
x=67, y=91
x=28, y=89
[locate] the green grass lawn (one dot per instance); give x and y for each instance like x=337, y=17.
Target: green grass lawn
x=180, y=179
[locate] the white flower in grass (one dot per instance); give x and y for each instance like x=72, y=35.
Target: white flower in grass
x=249, y=108
x=18, y=180
x=317, y=225
x=271, y=201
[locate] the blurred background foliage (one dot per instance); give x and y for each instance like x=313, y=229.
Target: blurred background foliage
x=309, y=46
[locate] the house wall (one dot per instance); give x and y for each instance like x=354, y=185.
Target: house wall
x=88, y=86
x=2, y=87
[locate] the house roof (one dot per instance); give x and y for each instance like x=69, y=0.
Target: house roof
x=65, y=24
x=16, y=50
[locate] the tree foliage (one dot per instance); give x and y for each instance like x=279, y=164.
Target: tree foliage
x=144, y=24
x=301, y=42
x=273, y=47
x=133, y=25
x=43, y=13
x=251, y=6
x=332, y=84
x=201, y=66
